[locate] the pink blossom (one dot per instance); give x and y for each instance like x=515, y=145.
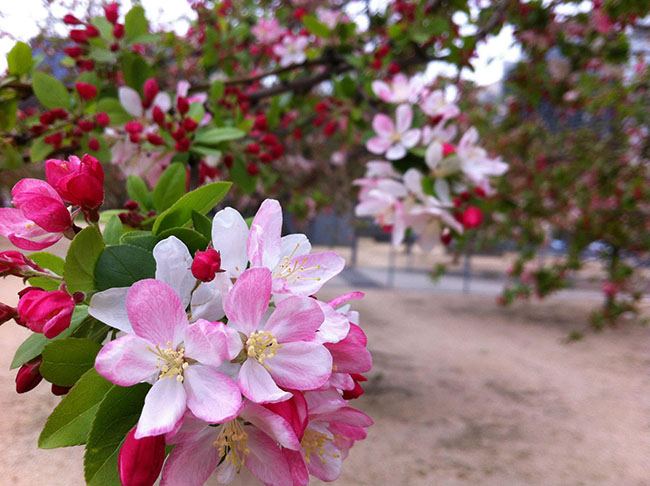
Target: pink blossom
x=401, y=89
x=267, y=31
x=291, y=50
x=435, y=105
x=40, y=217
x=178, y=357
x=46, y=312
x=391, y=139
x=133, y=104
x=475, y=162
x=281, y=351
x=79, y=182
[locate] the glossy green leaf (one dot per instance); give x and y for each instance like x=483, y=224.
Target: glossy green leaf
x=113, y=108
x=65, y=360
x=202, y=224
x=242, y=178
x=118, y=412
x=123, y=265
x=39, y=150
x=46, y=260
x=170, y=187
x=84, y=252
x=70, y=422
x=192, y=239
x=214, y=136
x=315, y=26
x=206, y=151
x=50, y=91
x=137, y=191
x=10, y=158
x=113, y=231
x=19, y=59
x=135, y=23
x=142, y=239
x=200, y=200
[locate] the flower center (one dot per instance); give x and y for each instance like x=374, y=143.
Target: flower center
x=231, y=443
x=313, y=441
x=290, y=271
x=172, y=362
x=262, y=345
x=395, y=137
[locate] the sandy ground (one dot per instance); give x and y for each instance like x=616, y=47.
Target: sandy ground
x=462, y=393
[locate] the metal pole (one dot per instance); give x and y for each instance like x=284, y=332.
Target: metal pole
x=467, y=271
x=390, y=282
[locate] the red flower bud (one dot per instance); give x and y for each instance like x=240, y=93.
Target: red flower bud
x=86, y=125
x=269, y=139
x=92, y=31
x=252, y=168
x=189, y=124
x=79, y=36
x=150, y=88
x=6, y=313
x=74, y=51
x=330, y=128
x=446, y=237
x=394, y=68
x=158, y=115
x=29, y=375
x=140, y=460
x=102, y=119
x=182, y=104
x=59, y=390
x=206, y=264
x=321, y=107
x=17, y=264
x=261, y=123
x=134, y=137
x=46, y=118
x=448, y=149
x=55, y=139
x=93, y=144
x=46, y=312
x=266, y=158
x=382, y=51
x=472, y=217
x=277, y=151
x=133, y=127
x=111, y=12
x=131, y=205
x=252, y=148
x=114, y=47
x=297, y=133
x=85, y=64
x=178, y=134
x=71, y=20
x=228, y=160
x=155, y=139
x=79, y=182
x=183, y=145
x=118, y=31
x=299, y=13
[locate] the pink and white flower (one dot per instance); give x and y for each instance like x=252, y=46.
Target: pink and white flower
x=400, y=90
x=435, y=105
x=179, y=358
x=281, y=351
x=133, y=104
x=394, y=139
x=291, y=50
x=267, y=31
x=475, y=162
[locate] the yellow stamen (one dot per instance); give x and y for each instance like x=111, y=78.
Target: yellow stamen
x=262, y=345
x=173, y=362
x=291, y=271
x=313, y=441
x=231, y=443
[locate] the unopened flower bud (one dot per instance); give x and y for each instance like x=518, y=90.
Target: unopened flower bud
x=71, y=20
x=17, y=264
x=206, y=264
x=150, y=88
x=91, y=31
x=29, y=375
x=102, y=119
x=86, y=90
x=6, y=313
x=118, y=31
x=59, y=390
x=140, y=460
x=472, y=217
x=111, y=12
x=182, y=104
x=46, y=312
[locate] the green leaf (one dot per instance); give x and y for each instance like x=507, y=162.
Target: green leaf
x=123, y=265
x=19, y=59
x=207, y=151
x=196, y=112
x=46, y=260
x=113, y=108
x=117, y=414
x=135, y=23
x=8, y=114
x=45, y=283
x=142, y=239
x=200, y=200
x=34, y=344
x=216, y=90
x=70, y=422
x=84, y=252
x=315, y=26
x=137, y=190
x=100, y=54
x=50, y=91
x=170, y=187
x=113, y=231
x=11, y=158
x=39, y=150
x=202, y=224
x=242, y=178
x=214, y=136
x=135, y=70
x=192, y=239
x=65, y=360
x=104, y=26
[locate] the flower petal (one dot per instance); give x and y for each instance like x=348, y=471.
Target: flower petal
x=130, y=100
x=23, y=233
x=109, y=306
x=396, y=152
x=248, y=300
x=263, y=246
x=211, y=395
x=266, y=461
x=294, y=245
x=383, y=125
x=206, y=342
x=229, y=236
x=271, y=424
x=403, y=117
x=127, y=361
x=295, y=319
x=411, y=138
x=378, y=145
x=173, y=266
x=256, y=383
x=192, y=462
x=164, y=405
x=301, y=365
x=335, y=326
x=312, y=272
x=156, y=312
x=207, y=299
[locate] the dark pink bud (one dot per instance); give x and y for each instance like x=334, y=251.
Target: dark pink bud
x=189, y=124
x=118, y=31
x=158, y=115
x=150, y=88
x=269, y=139
x=86, y=125
x=206, y=264
x=6, y=313
x=183, y=145
x=71, y=20
x=472, y=217
x=252, y=168
x=73, y=51
x=155, y=139
x=133, y=127
x=111, y=12
x=46, y=312
x=79, y=36
x=86, y=90
x=79, y=182
x=59, y=390
x=17, y=264
x=102, y=119
x=93, y=144
x=141, y=460
x=448, y=149
x=29, y=375
x=182, y=104
x=252, y=148
x=92, y=31
x=260, y=122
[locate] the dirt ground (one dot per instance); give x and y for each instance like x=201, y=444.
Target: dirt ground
x=462, y=393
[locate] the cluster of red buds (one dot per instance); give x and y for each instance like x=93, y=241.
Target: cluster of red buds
x=330, y=116
x=133, y=216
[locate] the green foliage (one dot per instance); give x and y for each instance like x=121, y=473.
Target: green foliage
x=135, y=23
x=113, y=108
x=242, y=178
x=214, y=136
x=192, y=239
x=316, y=27
x=65, y=360
x=202, y=224
x=19, y=59
x=81, y=259
x=123, y=265
x=170, y=187
x=113, y=231
x=50, y=91
x=70, y=422
x=137, y=190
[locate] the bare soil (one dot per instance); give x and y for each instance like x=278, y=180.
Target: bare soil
x=462, y=393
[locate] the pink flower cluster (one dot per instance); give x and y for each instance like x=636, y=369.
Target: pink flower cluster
x=251, y=373
x=434, y=203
